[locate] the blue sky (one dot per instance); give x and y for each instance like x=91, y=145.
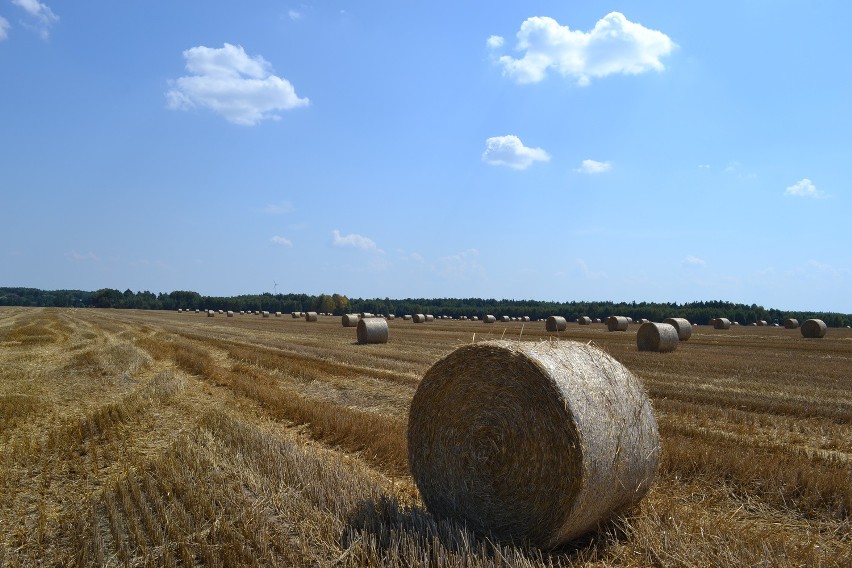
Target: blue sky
x=530, y=150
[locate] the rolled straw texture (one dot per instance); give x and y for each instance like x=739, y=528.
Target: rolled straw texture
x=682, y=325
x=721, y=323
x=531, y=442
x=791, y=323
x=489, y=319
x=617, y=323
x=406, y=317
x=556, y=323
x=265, y=314
x=584, y=320
x=310, y=316
x=430, y=317
x=418, y=318
x=372, y=330
x=211, y=313
x=814, y=328
x=350, y=320
x=660, y=337
x=230, y=314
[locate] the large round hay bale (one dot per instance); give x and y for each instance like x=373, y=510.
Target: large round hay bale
x=584, y=320
x=474, y=318
x=489, y=319
x=505, y=319
x=265, y=313
x=721, y=323
x=617, y=323
x=531, y=442
x=211, y=313
x=407, y=317
x=556, y=323
x=791, y=323
x=814, y=328
x=372, y=330
x=230, y=314
x=761, y=323
x=418, y=318
x=683, y=327
x=350, y=320
x=310, y=316
x=430, y=317
x=660, y=337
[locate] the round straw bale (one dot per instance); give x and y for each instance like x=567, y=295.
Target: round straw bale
x=350, y=320
x=407, y=317
x=489, y=319
x=721, y=323
x=596, y=320
x=430, y=317
x=814, y=328
x=556, y=323
x=761, y=323
x=418, y=318
x=629, y=319
x=617, y=323
x=230, y=314
x=366, y=315
x=791, y=323
x=683, y=327
x=278, y=314
x=660, y=337
x=531, y=442
x=505, y=319
x=372, y=330
x=310, y=316
x=474, y=318
x=221, y=311
x=584, y=320
x=525, y=318
x=265, y=314
x=211, y=313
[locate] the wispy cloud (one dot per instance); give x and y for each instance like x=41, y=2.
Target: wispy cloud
x=510, y=151
x=804, y=188
x=281, y=241
x=614, y=45
x=594, y=167
x=464, y=264
x=353, y=240
x=294, y=14
x=4, y=28
x=703, y=166
x=587, y=272
x=279, y=208
x=84, y=257
x=232, y=84
x=694, y=261
x=43, y=16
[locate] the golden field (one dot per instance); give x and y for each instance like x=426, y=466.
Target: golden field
x=134, y=438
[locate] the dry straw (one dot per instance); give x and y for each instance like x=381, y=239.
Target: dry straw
x=556, y=323
x=761, y=322
x=617, y=323
x=682, y=325
x=310, y=316
x=489, y=319
x=661, y=337
x=418, y=318
x=814, y=328
x=211, y=313
x=265, y=314
x=406, y=317
x=721, y=323
x=430, y=317
x=296, y=315
x=230, y=314
x=584, y=320
x=505, y=319
x=791, y=323
x=350, y=320
x=531, y=442
x=372, y=330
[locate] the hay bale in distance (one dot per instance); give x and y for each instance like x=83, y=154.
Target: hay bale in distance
x=531, y=442
x=556, y=323
x=310, y=316
x=430, y=317
x=489, y=319
x=761, y=323
x=617, y=323
x=230, y=314
x=407, y=317
x=683, y=327
x=721, y=323
x=265, y=313
x=372, y=330
x=211, y=313
x=584, y=320
x=505, y=319
x=660, y=337
x=814, y=328
x=350, y=320
x=418, y=318
x=791, y=323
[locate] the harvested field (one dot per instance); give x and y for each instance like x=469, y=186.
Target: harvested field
x=131, y=438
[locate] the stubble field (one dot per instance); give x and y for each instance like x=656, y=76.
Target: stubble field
x=132, y=438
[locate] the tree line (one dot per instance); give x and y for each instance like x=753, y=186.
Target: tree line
x=338, y=304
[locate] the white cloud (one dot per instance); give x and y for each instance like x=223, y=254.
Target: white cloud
x=44, y=16
x=703, y=166
x=230, y=83
x=281, y=241
x=77, y=257
x=615, y=45
x=294, y=14
x=4, y=28
x=352, y=240
x=803, y=188
x=594, y=167
x=278, y=208
x=464, y=264
x=694, y=261
x=510, y=151
x=494, y=42
x=587, y=272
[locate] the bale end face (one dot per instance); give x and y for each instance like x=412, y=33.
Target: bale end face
x=534, y=443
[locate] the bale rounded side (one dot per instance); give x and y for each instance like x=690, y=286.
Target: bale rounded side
x=584, y=320
x=660, y=337
x=531, y=442
x=556, y=323
x=791, y=323
x=682, y=325
x=721, y=323
x=310, y=316
x=372, y=330
x=230, y=314
x=489, y=319
x=350, y=320
x=617, y=323
x=815, y=328
x=418, y=318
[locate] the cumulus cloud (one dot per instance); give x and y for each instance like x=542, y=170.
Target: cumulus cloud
x=40, y=12
x=352, y=240
x=694, y=261
x=231, y=83
x=494, y=42
x=4, y=28
x=615, y=45
x=510, y=151
x=594, y=167
x=803, y=188
x=281, y=241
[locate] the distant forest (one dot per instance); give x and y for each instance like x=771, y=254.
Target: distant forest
x=337, y=304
